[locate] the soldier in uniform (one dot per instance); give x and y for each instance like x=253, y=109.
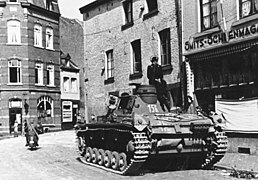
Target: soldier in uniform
x=155, y=76
x=154, y=72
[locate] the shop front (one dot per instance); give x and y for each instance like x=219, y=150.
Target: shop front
x=224, y=67
x=70, y=114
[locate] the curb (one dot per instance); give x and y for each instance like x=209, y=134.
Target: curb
x=221, y=167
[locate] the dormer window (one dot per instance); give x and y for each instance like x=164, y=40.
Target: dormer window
x=49, y=4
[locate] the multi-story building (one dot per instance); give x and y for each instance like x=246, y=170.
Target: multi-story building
x=70, y=91
x=30, y=55
x=220, y=50
x=120, y=37
x=71, y=41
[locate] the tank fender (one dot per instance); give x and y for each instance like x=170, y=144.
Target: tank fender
x=139, y=122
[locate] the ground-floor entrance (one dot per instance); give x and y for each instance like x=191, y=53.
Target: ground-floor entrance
x=70, y=114
x=15, y=114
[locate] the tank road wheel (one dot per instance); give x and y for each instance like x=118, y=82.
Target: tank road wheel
x=89, y=153
x=122, y=161
x=101, y=157
x=115, y=160
x=107, y=159
x=95, y=156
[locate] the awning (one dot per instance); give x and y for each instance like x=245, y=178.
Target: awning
x=222, y=50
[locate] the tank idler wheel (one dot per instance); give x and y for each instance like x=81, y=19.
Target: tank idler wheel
x=95, y=156
x=101, y=157
x=89, y=153
x=122, y=161
x=80, y=145
x=115, y=160
x=107, y=159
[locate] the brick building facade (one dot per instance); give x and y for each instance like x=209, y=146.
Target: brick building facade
x=30, y=55
x=120, y=37
x=220, y=50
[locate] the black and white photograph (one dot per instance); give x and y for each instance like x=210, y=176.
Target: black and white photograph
x=128, y=89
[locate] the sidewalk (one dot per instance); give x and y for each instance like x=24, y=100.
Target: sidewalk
x=5, y=135
x=242, y=162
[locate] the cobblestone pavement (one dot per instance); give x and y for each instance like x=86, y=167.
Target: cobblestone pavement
x=56, y=159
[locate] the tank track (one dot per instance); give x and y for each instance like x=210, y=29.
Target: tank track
x=141, y=153
x=215, y=153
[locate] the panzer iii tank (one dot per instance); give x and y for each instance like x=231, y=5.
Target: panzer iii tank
x=136, y=134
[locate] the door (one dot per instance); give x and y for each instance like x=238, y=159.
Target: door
x=15, y=114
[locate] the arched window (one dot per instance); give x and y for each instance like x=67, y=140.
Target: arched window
x=49, y=38
x=38, y=35
x=45, y=106
x=14, y=32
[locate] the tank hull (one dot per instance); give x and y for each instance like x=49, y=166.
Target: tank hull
x=145, y=151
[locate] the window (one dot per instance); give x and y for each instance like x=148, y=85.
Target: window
x=49, y=38
x=50, y=75
x=74, y=85
x=248, y=7
x=152, y=5
x=14, y=67
x=45, y=106
x=136, y=56
x=66, y=84
x=128, y=10
x=208, y=14
x=49, y=5
x=39, y=73
x=12, y=0
x=14, y=32
x=165, y=51
x=109, y=64
x=38, y=35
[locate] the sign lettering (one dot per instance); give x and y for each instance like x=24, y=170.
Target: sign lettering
x=219, y=38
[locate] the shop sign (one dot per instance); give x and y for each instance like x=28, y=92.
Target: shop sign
x=15, y=104
x=219, y=38
x=67, y=111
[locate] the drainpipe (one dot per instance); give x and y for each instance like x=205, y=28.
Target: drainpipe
x=178, y=4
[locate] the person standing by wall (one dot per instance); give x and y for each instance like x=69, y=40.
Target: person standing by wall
x=15, y=128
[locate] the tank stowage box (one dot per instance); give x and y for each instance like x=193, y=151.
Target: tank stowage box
x=136, y=134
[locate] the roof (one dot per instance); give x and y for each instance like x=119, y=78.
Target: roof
x=40, y=5
x=92, y=5
x=67, y=63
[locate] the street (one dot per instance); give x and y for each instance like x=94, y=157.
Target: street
x=57, y=159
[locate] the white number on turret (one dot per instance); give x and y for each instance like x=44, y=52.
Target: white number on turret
x=152, y=108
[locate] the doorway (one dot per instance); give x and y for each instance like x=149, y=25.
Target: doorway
x=15, y=114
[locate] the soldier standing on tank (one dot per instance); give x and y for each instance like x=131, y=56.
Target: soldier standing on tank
x=155, y=76
x=154, y=72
